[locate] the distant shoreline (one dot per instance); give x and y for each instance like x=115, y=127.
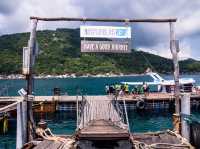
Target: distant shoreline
x=20, y=76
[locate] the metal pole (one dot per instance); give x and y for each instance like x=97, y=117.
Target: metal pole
x=29, y=77
x=174, y=52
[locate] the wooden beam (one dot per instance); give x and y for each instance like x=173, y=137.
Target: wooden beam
x=29, y=77
x=174, y=51
x=176, y=67
x=105, y=19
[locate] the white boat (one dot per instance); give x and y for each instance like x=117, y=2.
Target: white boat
x=186, y=84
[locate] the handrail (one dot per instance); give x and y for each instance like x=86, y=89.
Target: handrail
x=122, y=111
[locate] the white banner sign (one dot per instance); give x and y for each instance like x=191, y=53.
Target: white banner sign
x=26, y=60
x=105, y=32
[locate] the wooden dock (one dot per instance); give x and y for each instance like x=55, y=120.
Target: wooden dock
x=68, y=98
x=54, y=103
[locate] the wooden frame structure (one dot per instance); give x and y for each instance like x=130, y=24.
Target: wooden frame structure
x=31, y=46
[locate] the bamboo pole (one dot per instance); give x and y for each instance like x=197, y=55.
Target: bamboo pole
x=104, y=19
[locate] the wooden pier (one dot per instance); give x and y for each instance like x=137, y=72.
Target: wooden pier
x=69, y=98
x=99, y=123
x=65, y=102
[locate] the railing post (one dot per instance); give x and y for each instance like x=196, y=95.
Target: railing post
x=77, y=113
x=21, y=124
x=185, y=111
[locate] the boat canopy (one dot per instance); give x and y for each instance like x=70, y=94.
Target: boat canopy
x=158, y=80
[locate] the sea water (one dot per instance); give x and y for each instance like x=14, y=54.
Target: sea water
x=64, y=122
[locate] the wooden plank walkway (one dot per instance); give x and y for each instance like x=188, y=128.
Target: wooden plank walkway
x=101, y=121
x=100, y=109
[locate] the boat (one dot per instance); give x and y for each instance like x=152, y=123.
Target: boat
x=163, y=85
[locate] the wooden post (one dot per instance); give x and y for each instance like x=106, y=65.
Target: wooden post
x=185, y=111
x=174, y=51
x=29, y=77
x=77, y=113
x=21, y=124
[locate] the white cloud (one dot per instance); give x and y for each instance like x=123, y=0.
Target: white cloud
x=14, y=17
x=19, y=20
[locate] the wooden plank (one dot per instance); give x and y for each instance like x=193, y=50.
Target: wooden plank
x=55, y=145
x=9, y=107
x=43, y=145
x=101, y=129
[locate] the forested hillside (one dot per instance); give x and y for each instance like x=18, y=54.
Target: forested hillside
x=60, y=54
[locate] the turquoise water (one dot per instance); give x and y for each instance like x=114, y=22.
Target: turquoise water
x=90, y=86
x=65, y=122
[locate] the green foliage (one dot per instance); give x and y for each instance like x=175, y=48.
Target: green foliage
x=60, y=54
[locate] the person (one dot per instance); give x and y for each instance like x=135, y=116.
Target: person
x=145, y=88
x=126, y=89
x=121, y=93
x=141, y=90
x=111, y=89
x=134, y=90
x=107, y=89
x=118, y=87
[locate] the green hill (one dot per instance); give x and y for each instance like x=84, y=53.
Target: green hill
x=60, y=54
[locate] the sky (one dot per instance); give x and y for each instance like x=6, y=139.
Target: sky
x=153, y=38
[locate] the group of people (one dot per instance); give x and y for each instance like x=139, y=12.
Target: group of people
x=116, y=89
x=141, y=89
x=124, y=89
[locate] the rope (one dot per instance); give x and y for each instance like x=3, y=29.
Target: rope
x=184, y=143
x=67, y=142
x=146, y=59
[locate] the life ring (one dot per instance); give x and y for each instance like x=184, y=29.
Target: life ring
x=140, y=104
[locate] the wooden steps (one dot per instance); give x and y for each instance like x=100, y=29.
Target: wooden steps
x=102, y=130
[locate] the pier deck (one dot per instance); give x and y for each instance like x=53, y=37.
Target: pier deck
x=67, y=98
